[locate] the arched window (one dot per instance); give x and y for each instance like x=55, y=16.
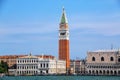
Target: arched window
x=46, y=71
x=118, y=72
x=18, y=61
x=41, y=65
x=115, y=72
x=90, y=71
x=107, y=71
x=103, y=71
x=44, y=65
x=93, y=72
x=47, y=65
x=96, y=71
x=118, y=59
x=111, y=59
x=100, y=72
x=41, y=72
x=102, y=58
x=93, y=58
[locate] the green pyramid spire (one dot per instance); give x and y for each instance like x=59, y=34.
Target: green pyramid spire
x=63, y=18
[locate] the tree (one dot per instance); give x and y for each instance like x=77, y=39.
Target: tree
x=1, y=70
x=3, y=67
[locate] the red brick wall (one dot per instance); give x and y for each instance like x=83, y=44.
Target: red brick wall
x=64, y=51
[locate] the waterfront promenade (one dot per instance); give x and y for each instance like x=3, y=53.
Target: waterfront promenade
x=60, y=78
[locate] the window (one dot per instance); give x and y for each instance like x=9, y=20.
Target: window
x=89, y=71
x=62, y=33
x=118, y=72
x=93, y=58
x=102, y=58
x=46, y=71
x=41, y=72
x=47, y=65
x=111, y=59
x=44, y=65
x=103, y=71
x=41, y=65
x=118, y=59
x=18, y=67
x=23, y=67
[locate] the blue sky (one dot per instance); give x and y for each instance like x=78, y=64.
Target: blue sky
x=32, y=26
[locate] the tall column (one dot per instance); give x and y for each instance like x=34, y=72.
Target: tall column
x=64, y=40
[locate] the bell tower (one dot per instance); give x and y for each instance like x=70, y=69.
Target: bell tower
x=64, y=40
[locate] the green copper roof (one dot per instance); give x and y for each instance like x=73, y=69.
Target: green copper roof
x=63, y=18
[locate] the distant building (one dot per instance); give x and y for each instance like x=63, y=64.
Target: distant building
x=11, y=60
x=51, y=66
x=45, y=56
x=35, y=65
x=103, y=62
x=83, y=67
x=77, y=66
x=12, y=72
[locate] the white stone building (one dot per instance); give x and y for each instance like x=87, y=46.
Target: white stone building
x=27, y=65
x=51, y=66
x=103, y=62
x=77, y=66
x=33, y=65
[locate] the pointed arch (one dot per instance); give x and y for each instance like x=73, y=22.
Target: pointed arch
x=111, y=59
x=93, y=58
x=102, y=59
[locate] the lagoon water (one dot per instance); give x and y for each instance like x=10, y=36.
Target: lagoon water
x=60, y=78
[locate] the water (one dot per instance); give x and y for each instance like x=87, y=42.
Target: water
x=61, y=78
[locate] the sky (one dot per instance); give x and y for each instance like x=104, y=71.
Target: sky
x=32, y=26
